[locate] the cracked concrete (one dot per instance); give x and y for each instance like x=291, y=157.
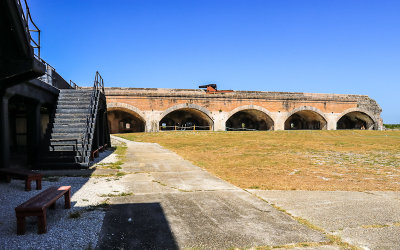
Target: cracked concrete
x=370, y=220
x=179, y=205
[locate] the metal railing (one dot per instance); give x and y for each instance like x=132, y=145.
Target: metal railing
x=51, y=77
x=73, y=84
x=98, y=86
x=98, y=82
x=48, y=75
x=241, y=129
x=26, y=16
x=184, y=128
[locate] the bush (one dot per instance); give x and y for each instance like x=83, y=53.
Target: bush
x=392, y=126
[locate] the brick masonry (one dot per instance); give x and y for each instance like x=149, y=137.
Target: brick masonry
x=151, y=105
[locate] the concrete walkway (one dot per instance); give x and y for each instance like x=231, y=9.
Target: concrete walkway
x=370, y=220
x=178, y=205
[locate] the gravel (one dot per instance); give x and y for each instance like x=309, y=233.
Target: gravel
x=63, y=231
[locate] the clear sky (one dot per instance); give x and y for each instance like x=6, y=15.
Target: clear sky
x=320, y=46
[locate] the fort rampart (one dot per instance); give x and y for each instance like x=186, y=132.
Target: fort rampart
x=149, y=109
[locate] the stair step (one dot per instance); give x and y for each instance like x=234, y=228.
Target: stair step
x=71, y=121
x=61, y=154
x=75, y=90
x=54, y=142
x=66, y=135
x=73, y=100
x=70, y=116
x=76, y=94
x=73, y=130
x=62, y=148
x=72, y=105
x=67, y=124
x=76, y=99
x=64, y=92
x=72, y=110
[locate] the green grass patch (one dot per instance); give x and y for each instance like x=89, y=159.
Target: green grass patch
x=75, y=215
x=120, y=173
x=116, y=195
x=120, y=151
x=101, y=206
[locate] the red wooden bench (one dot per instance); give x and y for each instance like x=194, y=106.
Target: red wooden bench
x=21, y=174
x=36, y=206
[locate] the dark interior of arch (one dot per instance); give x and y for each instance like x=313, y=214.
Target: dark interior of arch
x=355, y=120
x=186, y=119
x=250, y=119
x=124, y=122
x=305, y=119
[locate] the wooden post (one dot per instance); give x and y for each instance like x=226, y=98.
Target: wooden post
x=194, y=127
x=4, y=132
x=20, y=225
x=33, y=131
x=67, y=199
x=28, y=184
x=42, y=224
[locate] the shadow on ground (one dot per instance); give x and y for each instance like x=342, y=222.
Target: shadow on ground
x=136, y=226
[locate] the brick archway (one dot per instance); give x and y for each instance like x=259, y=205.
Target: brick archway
x=304, y=108
x=375, y=124
x=197, y=110
x=252, y=111
x=124, y=118
x=307, y=117
x=116, y=105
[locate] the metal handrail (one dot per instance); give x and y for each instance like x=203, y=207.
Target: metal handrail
x=48, y=75
x=180, y=128
x=73, y=84
x=91, y=115
x=26, y=15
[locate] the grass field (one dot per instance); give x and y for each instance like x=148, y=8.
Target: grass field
x=291, y=160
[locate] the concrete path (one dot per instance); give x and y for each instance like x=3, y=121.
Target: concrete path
x=370, y=220
x=178, y=205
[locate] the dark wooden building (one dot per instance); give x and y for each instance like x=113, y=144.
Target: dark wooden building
x=45, y=122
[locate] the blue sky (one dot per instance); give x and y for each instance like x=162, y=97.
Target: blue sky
x=320, y=46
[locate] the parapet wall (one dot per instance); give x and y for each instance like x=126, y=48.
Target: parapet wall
x=152, y=104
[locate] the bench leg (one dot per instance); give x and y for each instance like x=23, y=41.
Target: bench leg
x=67, y=198
x=53, y=206
x=42, y=223
x=20, y=225
x=38, y=184
x=28, y=184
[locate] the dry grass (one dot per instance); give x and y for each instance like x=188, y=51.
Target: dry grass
x=291, y=160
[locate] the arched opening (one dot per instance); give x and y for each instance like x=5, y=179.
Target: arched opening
x=124, y=121
x=355, y=120
x=305, y=119
x=249, y=119
x=186, y=119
